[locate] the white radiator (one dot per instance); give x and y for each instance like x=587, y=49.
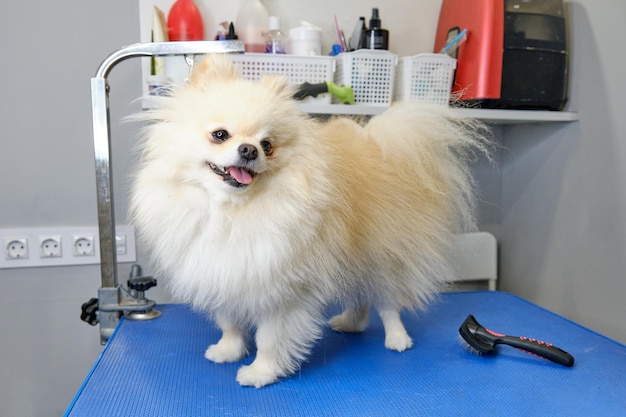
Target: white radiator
x=475, y=256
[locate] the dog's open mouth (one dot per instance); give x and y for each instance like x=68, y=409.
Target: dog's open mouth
x=236, y=176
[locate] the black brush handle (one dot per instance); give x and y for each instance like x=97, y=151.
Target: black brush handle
x=539, y=348
x=308, y=89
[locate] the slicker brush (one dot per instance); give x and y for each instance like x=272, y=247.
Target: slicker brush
x=482, y=341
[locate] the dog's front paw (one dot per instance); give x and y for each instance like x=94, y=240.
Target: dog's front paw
x=230, y=348
x=255, y=375
x=399, y=341
x=220, y=354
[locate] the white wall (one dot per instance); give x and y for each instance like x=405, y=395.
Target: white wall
x=563, y=229
x=50, y=50
x=557, y=208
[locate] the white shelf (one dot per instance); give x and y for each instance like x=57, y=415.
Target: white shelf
x=486, y=115
x=343, y=109
x=499, y=117
x=518, y=116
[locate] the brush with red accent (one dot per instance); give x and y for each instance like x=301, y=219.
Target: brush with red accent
x=482, y=341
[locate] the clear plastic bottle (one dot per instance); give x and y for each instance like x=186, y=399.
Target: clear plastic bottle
x=251, y=24
x=275, y=39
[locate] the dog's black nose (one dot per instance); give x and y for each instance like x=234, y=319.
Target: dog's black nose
x=248, y=152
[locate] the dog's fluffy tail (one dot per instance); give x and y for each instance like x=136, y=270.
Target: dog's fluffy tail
x=436, y=146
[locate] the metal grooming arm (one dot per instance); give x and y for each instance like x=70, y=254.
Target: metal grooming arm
x=114, y=300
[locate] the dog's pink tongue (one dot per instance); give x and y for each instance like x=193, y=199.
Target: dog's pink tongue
x=241, y=175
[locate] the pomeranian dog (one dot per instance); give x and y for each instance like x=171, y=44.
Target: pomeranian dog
x=262, y=216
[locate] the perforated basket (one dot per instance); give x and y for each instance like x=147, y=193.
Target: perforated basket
x=425, y=78
x=298, y=69
x=370, y=73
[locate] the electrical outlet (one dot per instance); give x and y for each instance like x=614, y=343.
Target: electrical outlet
x=61, y=246
x=16, y=247
x=50, y=246
x=83, y=245
x=120, y=244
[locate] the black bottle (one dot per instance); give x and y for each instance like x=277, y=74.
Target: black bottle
x=375, y=37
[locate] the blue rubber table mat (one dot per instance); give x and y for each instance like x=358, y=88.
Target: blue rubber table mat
x=157, y=368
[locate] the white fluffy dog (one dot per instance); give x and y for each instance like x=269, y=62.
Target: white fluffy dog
x=262, y=216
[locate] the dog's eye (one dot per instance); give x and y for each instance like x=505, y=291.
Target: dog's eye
x=267, y=147
x=220, y=135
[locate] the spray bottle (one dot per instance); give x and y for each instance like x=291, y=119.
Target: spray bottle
x=184, y=22
x=375, y=37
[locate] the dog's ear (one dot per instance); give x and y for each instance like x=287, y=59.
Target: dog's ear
x=277, y=83
x=215, y=67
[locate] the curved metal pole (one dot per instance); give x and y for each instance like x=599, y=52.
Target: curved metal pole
x=109, y=293
x=167, y=49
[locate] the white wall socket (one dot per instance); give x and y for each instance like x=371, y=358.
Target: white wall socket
x=83, y=245
x=16, y=247
x=50, y=246
x=57, y=246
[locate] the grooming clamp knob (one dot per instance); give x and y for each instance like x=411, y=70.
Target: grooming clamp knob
x=138, y=286
x=89, y=312
x=141, y=284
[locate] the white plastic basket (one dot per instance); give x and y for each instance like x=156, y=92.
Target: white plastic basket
x=370, y=73
x=298, y=69
x=425, y=78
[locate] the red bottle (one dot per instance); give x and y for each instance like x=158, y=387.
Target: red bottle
x=184, y=22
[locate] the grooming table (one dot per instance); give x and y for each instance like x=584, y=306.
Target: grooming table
x=157, y=368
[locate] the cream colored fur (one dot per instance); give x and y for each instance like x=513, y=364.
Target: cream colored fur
x=336, y=213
